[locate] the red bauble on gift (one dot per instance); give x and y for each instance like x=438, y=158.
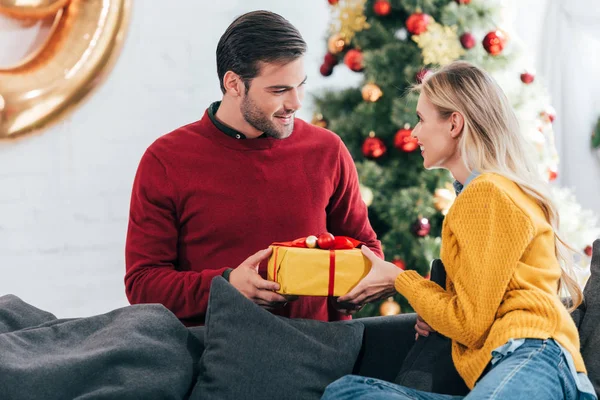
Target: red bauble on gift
x=417, y=23
x=325, y=240
x=382, y=7
x=333, y=2
x=373, y=147
x=404, y=141
x=494, y=42
x=467, y=40
x=354, y=60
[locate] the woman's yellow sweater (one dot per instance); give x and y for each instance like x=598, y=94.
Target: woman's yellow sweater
x=502, y=277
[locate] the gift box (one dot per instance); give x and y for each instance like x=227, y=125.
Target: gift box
x=305, y=271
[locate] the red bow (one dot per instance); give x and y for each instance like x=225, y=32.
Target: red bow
x=340, y=243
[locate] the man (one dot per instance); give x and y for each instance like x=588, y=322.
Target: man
x=211, y=193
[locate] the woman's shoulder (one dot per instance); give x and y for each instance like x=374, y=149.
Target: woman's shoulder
x=489, y=186
x=498, y=195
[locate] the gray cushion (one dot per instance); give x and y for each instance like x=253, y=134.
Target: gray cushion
x=589, y=325
x=135, y=352
x=253, y=354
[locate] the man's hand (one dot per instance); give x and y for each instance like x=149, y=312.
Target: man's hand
x=246, y=279
x=345, y=307
x=422, y=328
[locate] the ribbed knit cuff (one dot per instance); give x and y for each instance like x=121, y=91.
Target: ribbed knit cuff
x=404, y=283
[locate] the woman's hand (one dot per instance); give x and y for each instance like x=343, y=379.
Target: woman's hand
x=422, y=328
x=378, y=283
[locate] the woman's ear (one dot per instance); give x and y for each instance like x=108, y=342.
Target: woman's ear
x=457, y=124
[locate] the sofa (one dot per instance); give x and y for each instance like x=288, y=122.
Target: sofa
x=243, y=351
x=249, y=354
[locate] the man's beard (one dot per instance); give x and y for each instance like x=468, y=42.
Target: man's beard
x=259, y=121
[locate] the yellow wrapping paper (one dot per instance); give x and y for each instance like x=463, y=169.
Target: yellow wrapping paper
x=305, y=272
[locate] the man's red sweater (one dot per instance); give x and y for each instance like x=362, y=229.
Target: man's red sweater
x=203, y=201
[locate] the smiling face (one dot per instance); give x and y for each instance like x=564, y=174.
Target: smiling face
x=273, y=97
x=437, y=136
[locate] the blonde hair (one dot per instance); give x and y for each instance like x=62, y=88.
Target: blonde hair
x=491, y=141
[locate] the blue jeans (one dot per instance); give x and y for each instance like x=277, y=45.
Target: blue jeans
x=536, y=370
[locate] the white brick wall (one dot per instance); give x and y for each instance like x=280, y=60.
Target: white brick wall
x=64, y=194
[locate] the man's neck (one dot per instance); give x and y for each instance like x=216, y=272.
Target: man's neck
x=229, y=114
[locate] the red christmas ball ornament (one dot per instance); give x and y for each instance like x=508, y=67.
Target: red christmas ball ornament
x=494, y=42
x=330, y=59
x=333, y=2
x=422, y=74
x=463, y=1
x=325, y=240
x=404, y=141
x=421, y=227
x=467, y=40
x=588, y=251
x=527, y=77
x=373, y=147
x=326, y=69
x=417, y=23
x=354, y=60
x=382, y=7
x=552, y=174
x=399, y=263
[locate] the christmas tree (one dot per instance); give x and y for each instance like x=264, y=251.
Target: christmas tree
x=393, y=44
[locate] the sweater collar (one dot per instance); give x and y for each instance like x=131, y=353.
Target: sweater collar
x=213, y=129
x=226, y=129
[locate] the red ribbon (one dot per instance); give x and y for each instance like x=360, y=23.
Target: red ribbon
x=340, y=243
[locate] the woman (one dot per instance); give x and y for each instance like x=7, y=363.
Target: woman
x=511, y=335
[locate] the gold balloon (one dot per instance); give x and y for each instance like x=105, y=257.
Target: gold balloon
x=84, y=42
x=31, y=9
x=371, y=92
x=389, y=307
x=336, y=44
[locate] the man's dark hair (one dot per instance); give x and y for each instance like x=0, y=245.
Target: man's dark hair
x=255, y=37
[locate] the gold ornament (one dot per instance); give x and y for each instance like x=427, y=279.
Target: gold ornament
x=371, y=92
x=389, y=307
x=443, y=198
x=348, y=18
x=311, y=241
x=439, y=44
x=319, y=120
x=83, y=42
x=336, y=44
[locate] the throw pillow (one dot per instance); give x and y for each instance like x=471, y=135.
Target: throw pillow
x=253, y=354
